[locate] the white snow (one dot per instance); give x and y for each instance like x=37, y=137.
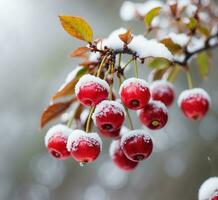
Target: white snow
x=149, y=48
x=196, y=43
x=180, y=39
x=94, y=56
x=59, y=130
x=87, y=79
x=136, y=81
x=208, y=188
x=191, y=9
x=84, y=116
x=130, y=10
x=114, y=146
x=192, y=93
x=127, y=11
x=107, y=106
x=135, y=133
x=77, y=135
x=159, y=105
x=113, y=41
x=162, y=84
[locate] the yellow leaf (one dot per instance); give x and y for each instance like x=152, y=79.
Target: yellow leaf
x=77, y=27
x=151, y=15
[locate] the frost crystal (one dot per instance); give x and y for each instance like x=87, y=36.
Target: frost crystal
x=77, y=135
x=59, y=130
x=107, y=106
x=87, y=79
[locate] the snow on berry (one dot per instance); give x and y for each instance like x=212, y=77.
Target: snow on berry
x=137, y=145
x=119, y=158
x=84, y=147
x=154, y=115
x=134, y=93
x=91, y=90
x=195, y=92
x=79, y=134
x=209, y=189
x=162, y=90
x=56, y=139
x=60, y=130
x=194, y=103
x=106, y=106
x=149, y=48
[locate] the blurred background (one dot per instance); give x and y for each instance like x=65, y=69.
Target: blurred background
x=33, y=64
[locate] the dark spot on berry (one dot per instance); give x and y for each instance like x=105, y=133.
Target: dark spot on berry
x=134, y=103
x=139, y=157
x=107, y=126
x=195, y=117
x=88, y=102
x=55, y=154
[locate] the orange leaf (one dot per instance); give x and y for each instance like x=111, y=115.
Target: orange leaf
x=126, y=37
x=77, y=27
x=79, y=52
x=53, y=111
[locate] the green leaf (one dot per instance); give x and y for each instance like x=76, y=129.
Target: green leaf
x=151, y=15
x=173, y=48
x=192, y=23
x=77, y=27
x=158, y=63
x=203, y=61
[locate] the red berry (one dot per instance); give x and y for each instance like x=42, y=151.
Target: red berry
x=109, y=115
x=115, y=134
x=84, y=147
x=134, y=93
x=137, y=145
x=194, y=103
x=91, y=90
x=154, y=115
x=209, y=189
x=56, y=140
x=119, y=158
x=162, y=91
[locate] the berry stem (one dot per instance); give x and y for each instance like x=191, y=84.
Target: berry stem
x=70, y=121
x=101, y=66
x=128, y=62
x=89, y=120
x=189, y=78
x=127, y=111
x=111, y=82
x=136, y=68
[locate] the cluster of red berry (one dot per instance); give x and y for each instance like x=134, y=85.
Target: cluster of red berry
x=108, y=114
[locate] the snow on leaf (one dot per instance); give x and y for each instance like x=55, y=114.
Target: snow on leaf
x=151, y=15
x=77, y=27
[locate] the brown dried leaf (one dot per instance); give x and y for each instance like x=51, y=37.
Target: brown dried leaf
x=174, y=48
x=126, y=37
x=53, y=111
x=79, y=52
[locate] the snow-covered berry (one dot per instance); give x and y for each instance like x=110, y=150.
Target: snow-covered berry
x=56, y=140
x=134, y=93
x=109, y=115
x=84, y=147
x=137, y=145
x=154, y=115
x=119, y=158
x=162, y=91
x=91, y=90
x=194, y=103
x=209, y=189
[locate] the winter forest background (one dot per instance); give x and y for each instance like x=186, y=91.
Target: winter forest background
x=33, y=64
